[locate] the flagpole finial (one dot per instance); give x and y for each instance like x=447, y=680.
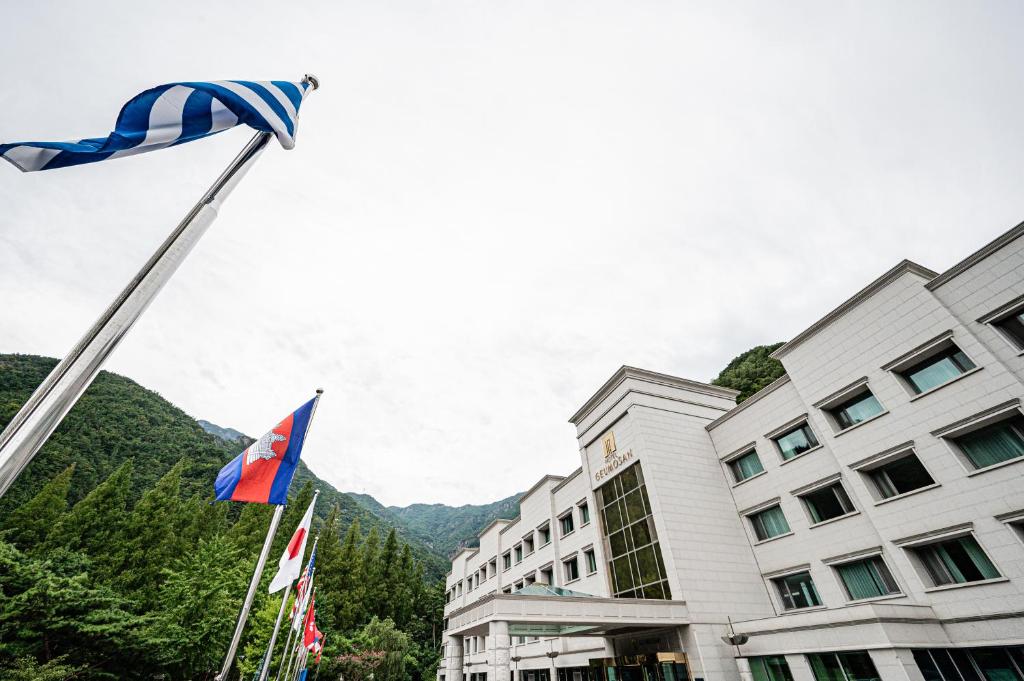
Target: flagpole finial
x=312, y=80
x=319, y=391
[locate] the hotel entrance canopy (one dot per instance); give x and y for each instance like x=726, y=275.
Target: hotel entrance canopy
x=543, y=610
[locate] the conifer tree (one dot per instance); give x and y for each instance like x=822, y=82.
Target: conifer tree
x=149, y=541
x=96, y=520
x=370, y=573
x=249, y=532
x=202, y=519
x=350, y=585
x=29, y=524
x=391, y=576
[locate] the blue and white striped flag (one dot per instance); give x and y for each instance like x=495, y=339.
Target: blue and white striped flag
x=174, y=114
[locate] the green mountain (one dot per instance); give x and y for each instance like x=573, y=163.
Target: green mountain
x=443, y=528
x=750, y=371
x=117, y=419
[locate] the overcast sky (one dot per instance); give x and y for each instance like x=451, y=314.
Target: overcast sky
x=493, y=205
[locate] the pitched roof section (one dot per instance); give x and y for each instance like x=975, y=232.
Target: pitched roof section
x=627, y=372
x=878, y=284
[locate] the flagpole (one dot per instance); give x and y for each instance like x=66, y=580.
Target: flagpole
x=299, y=617
x=280, y=616
x=299, y=641
x=253, y=585
x=53, y=399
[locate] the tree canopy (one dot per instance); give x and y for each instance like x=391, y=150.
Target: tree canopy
x=751, y=371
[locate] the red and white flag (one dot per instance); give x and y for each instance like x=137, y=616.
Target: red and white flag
x=290, y=565
x=309, y=628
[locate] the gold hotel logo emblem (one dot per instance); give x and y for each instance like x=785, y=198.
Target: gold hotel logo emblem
x=609, y=445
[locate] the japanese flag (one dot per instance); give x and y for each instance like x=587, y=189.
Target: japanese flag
x=290, y=565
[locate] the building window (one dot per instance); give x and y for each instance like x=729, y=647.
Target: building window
x=957, y=664
x=852, y=666
x=769, y=523
x=938, y=369
x=591, y=560
x=545, y=534
x=528, y=543
x=518, y=586
x=859, y=408
x=796, y=441
x=867, y=578
x=994, y=443
x=746, y=466
x=572, y=569
x=899, y=476
x=584, y=514
x=565, y=522
x=492, y=568
x=770, y=668
x=529, y=579
x=797, y=591
x=506, y=561
x=547, y=576
x=955, y=561
x=1012, y=327
x=507, y=590
x=518, y=550
x=459, y=585
x=631, y=543
x=827, y=503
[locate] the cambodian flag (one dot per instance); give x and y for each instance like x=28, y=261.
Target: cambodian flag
x=263, y=472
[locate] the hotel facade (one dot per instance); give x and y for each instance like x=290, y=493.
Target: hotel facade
x=860, y=518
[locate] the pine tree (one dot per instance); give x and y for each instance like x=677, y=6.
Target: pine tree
x=249, y=533
x=149, y=540
x=370, y=573
x=202, y=591
x=30, y=523
x=96, y=520
x=202, y=519
x=391, y=576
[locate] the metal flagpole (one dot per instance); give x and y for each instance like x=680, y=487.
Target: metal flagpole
x=280, y=616
x=52, y=400
x=299, y=616
x=253, y=585
x=258, y=573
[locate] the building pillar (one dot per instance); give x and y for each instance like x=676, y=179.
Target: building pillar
x=453, y=665
x=500, y=642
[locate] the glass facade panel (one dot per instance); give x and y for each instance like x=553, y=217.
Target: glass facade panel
x=971, y=664
x=634, y=553
x=796, y=441
x=770, y=668
x=995, y=443
x=852, y=666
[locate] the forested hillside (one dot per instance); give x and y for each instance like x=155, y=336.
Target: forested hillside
x=114, y=563
x=442, y=528
x=751, y=370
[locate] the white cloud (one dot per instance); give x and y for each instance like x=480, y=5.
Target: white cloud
x=492, y=206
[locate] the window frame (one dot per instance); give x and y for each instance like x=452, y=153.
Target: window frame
x=541, y=529
x=751, y=513
x=912, y=547
x=566, y=515
x=590, y=557
x=518, y=553
x=951, y=433
x=993, y=319
x=506, y=561
x=799, y=423
x=869, y=467
x=566, y=562
x=838, y=402
x=777, y=578
x=732, y=460
x=912, y=359
x=873, y=555
x=820, y=486
x=584, y=508
x=529, y=541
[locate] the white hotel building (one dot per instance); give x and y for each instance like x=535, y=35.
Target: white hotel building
x=860, y=518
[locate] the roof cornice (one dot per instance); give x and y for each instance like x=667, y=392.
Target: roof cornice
x=904, y=267
x=763, y=392
x=980, y=254
x=627, y=372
